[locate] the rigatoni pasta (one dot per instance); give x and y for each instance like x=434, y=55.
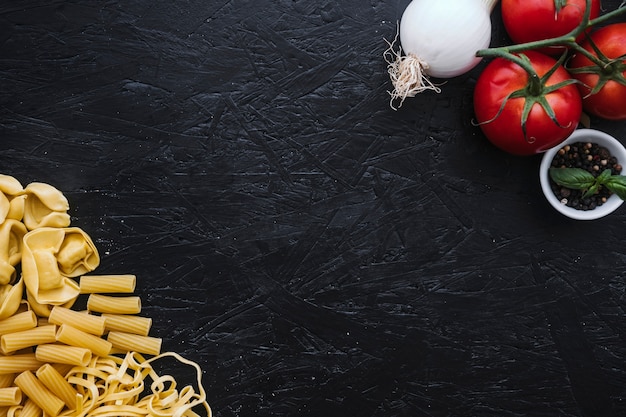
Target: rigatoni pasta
x=58, y=385
x=135, y=343
x=17, y=363
x=36, y=391
x=12, y=342
x=21, y=321
x=6, y=380
x=74, y=337
x=10, y=396
x=127, y=323
x=56, y=361
x=31, y=409
x=84, y=321
x=63, y=354
x=114, y=305
x=107, y=284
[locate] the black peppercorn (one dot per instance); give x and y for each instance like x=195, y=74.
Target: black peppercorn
x=592, y=158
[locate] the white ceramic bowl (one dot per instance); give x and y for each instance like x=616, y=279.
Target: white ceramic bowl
x=583, y=135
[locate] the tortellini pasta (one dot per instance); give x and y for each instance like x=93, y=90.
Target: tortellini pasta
x=51, y=257
x=11, y=198
x=10, y=298
x=45, y=206
x=11, y=235
x=34, y=231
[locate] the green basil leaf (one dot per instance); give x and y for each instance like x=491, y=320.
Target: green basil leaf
x=604, y=176
x=592, y=190
x=574, y=178
x=617, y=185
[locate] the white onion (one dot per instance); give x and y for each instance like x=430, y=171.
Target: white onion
x=439, y=38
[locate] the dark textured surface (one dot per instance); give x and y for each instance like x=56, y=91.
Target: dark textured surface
x=315, y=251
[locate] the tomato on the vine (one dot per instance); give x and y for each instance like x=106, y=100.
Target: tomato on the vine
x=526, y=115
x=603, y=84
x=534, y=20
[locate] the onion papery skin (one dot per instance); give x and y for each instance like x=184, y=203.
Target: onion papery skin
x=445, y=34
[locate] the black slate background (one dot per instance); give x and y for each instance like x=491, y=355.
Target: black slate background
x=316, y=252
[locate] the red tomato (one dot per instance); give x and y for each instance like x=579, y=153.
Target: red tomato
x=502, y=124
x=609, y=102
x=534, y=20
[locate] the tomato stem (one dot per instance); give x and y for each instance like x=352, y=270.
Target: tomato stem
x=567, y=40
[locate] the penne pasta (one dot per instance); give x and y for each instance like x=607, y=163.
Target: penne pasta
x=84, y=321
x=12, y=342
x=107, y=284
x=114, y=305
x=57, y=384
x=15, y=364
x=74, y=337
x=63, y=354
x=10, y=396
x=39, y=394
x=18, y=322
x=127, y=323
x=135, y=343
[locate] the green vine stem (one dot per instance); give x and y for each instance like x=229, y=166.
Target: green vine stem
x=568, y=40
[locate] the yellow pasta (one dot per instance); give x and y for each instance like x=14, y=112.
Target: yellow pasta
x=11, y=296
x=17, y=363
x=114, y=386
x=21, y=321
x=6, y=380
x=86, y=322
x=10, y=396
x=57, y=384
x=45, y=206
x=55, y=361
x=12, y=342
x=62, y=368
x=114, y=305
x=39, y=394
x=74, y=337
x=31, y=409
x=63, y=354
x=11, y=235
x=127, y=323
x=107, y=284
x=135, y=343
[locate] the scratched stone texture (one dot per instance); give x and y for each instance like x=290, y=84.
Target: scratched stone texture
x=315, y=251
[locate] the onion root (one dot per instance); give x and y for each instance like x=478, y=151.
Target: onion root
x=407, y=74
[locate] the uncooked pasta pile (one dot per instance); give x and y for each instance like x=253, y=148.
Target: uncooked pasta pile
x=59, y=361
